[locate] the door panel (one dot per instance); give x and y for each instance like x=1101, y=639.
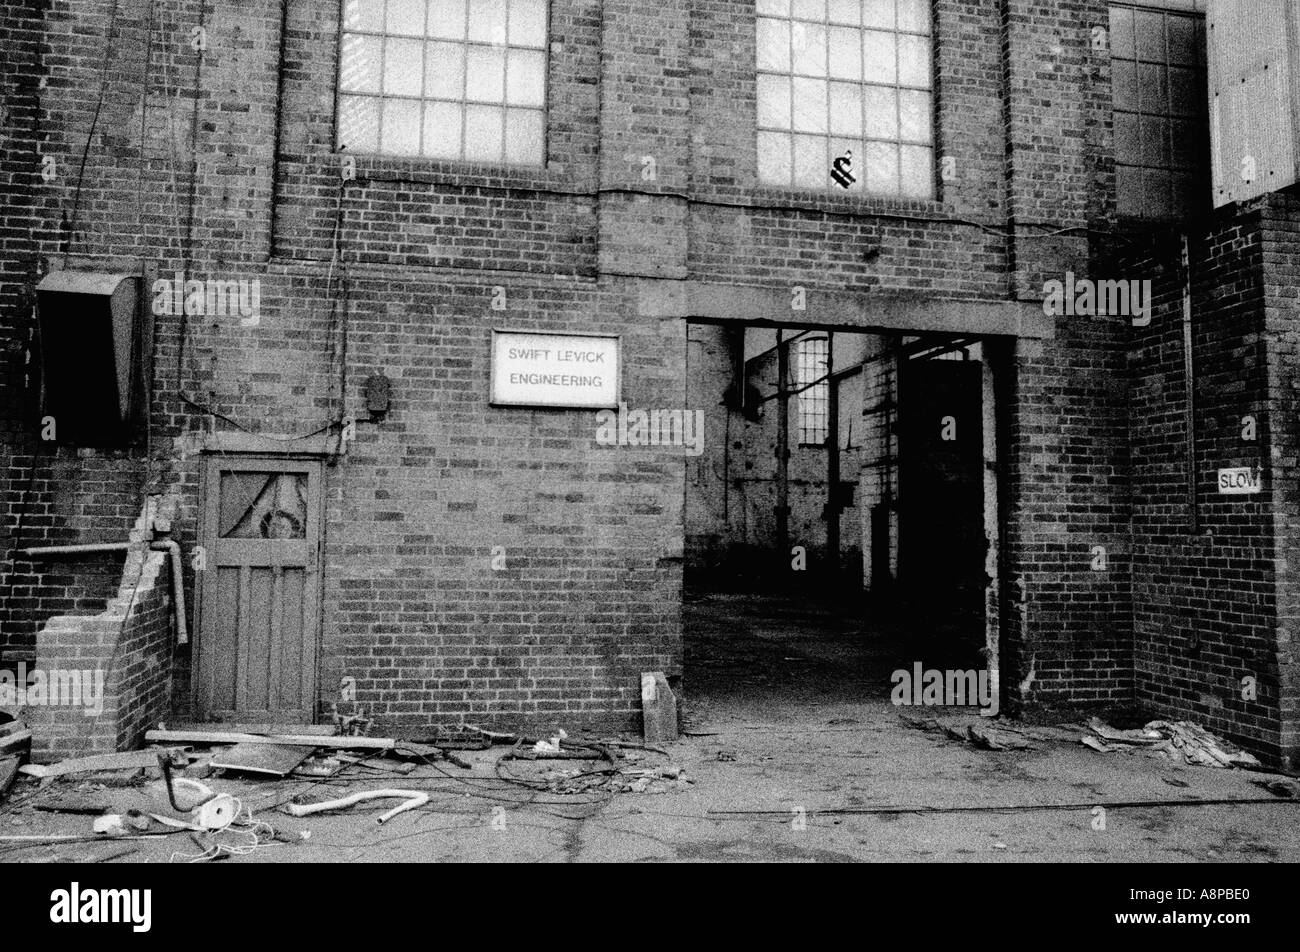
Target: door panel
x=260, y=610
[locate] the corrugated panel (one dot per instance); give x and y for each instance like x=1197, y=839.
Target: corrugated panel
x=1252, y=52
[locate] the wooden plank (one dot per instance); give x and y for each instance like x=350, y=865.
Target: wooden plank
x=294, y=740
x=275, y=760
x=8, y=773
x=238, y=727
x=14, y=741
x=125, y=760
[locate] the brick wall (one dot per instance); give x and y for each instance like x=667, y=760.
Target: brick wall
x=593, y=535
x=126, y=649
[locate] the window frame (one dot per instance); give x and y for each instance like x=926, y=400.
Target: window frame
x=419, y=157
x=1200, y=193
x=933, y=180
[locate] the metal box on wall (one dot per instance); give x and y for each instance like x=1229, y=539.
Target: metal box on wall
x=1254, y=97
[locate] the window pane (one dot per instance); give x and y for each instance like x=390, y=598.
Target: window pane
x=406, y=17
x=879, y=57
x=1128, y=140
x=1152, y=92
x=809, y=9
x=483, y=133
x=401, y=128
x=1150, y=30
x=882, y=112
x=359, y=70
x=913, y=116
x=365, y=15
x=485, y=76
x=773, y=45
x=487, y=21
x=773, y=101
x=774, y=165
x=525, y=134
x=846, y=110
x=526, y=78
x=1183, y=45
x=845, y=11
x=778, y=8
x=850, y=149
x=914, y=16
x=447, y=19
x=1155, y=141
x=914, y=61
x=917, y=171
x=528, y=23
x=846, y=53
x=809, y=45
x=1121, y=32
x=1124, y=85
x=358, y=124
x=878, y=14
x=445, y=71
x=403, y=67
x=809, y=105
x=442, y=130
x=810, y=165
x=1186, y=92
x=882, y=167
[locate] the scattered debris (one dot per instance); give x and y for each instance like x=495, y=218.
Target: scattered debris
x=978, y=731
x=726, y=756
x=128, y=760
x=274, y=760
x=1180, y=741
x=1280, y=787
x=551, y=746
x=292, y=740
x=414, y=799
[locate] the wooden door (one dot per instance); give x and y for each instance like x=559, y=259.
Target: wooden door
x=260, y=591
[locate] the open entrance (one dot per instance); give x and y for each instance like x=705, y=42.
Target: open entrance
x=842, y=521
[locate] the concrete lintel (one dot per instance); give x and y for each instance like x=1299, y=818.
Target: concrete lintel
x=913, y=312
x=320, y=445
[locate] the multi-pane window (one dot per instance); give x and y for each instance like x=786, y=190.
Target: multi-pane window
x=813, y=399
x=846, y=76
x=1162, y=149
x=445, y=79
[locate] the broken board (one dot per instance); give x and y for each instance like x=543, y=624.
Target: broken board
x=274, y=760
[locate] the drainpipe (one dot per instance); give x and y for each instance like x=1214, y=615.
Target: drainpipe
x=169, y=546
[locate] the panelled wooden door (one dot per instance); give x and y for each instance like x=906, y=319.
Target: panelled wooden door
x=260, y=591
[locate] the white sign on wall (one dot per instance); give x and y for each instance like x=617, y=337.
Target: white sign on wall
x=555, y=370
x=1239, y=481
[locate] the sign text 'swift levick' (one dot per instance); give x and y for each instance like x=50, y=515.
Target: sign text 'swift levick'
x=555, y=370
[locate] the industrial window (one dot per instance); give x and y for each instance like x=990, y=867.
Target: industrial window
x=846, y=76
x=813, y=400
x=444, y=79
x=1162, y=148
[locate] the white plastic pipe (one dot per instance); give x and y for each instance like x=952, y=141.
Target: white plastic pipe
x=414, y=798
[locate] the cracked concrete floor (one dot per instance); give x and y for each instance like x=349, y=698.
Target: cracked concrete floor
x=789, y=716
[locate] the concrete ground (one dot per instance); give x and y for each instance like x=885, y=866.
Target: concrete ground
x=790, y=729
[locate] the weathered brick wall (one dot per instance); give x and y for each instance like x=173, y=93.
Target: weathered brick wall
x=124, y=650
x=593, y=535
x=1067, y=635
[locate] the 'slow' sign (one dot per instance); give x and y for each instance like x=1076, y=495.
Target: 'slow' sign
x=1238, y=481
